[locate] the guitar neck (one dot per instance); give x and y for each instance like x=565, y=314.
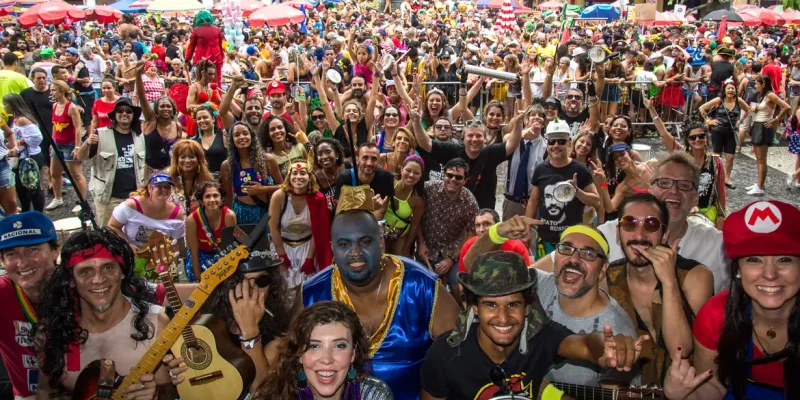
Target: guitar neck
x=175, y=304
x=151, y=360
x=582, y=392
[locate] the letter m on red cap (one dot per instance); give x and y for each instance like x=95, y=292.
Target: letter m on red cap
x=763, y=217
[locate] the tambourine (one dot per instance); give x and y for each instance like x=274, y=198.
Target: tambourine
x=597, y=54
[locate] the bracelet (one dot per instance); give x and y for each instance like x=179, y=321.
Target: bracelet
x=551, y=393
x=656, y=117
x=604, y=185
x=494, y=236
x=376, y=74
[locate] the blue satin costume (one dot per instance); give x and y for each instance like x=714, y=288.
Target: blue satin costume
x=399, y=359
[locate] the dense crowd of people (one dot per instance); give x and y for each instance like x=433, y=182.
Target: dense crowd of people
x=364, y=151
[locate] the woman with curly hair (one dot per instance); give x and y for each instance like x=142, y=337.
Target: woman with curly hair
x=324, y=332
x=96, y=307
x=300, y=223
x=278, y=139
x=210, y=135
x=254, y=304
x=747, y=338
x=203, y=229
x=160, y=127
x=188, y=171
x=330, y=163
x=248, y=176
x=403, y=146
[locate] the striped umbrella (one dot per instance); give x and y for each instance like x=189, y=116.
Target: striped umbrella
x=505, y=19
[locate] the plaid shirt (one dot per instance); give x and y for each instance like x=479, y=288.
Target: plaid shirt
x=446, y=223
x=153, y=88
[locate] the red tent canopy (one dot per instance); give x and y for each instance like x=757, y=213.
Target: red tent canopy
x=247, y=6
x=52, y=12
x=664, y=19
x=276, y=15
x=791, y=16
x=747, y=19
x=103, y=14
x=767, y=17
x=550, y=5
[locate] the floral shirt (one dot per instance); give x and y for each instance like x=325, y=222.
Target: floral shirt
x=447, y=222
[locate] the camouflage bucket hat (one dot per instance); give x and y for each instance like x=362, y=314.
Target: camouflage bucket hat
x=497, y=273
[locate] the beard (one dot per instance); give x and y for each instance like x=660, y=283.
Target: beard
x=636, y=259
x=583, y=290
x=358, y=93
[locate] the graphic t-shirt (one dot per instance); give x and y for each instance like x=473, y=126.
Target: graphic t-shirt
x=462, y=373
x=556, y=215
x=125, y=176
x=16, y=342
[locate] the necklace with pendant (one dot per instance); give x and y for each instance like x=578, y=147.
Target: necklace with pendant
x=771, y=331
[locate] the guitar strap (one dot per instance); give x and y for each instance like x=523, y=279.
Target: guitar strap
x=209, y=231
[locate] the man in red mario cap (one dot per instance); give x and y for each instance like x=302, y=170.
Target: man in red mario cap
x=276, y=92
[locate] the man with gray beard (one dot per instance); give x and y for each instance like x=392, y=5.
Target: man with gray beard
x=571, y=296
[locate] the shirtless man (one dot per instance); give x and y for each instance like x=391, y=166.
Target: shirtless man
x=95, y=298
x=128, y=25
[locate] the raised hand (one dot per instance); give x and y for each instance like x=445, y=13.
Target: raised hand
x=620, y=351
x=682, y=379
x=663, y=258
x=248, y=307
x=598, y=174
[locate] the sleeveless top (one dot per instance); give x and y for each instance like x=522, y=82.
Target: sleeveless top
x=707, y=187
x=654, y=357
x=295, y=228
x=63, y=129
x=351, y=140
x=116, y=344
x=242, y=175
x=398, y=219
x=205, y=238
x=727, y=118
x=158, y=149
x=720, y=71
x=764, y=111
x=398, y=347
x=296, y=153
x=633, y=189
x=216, y=153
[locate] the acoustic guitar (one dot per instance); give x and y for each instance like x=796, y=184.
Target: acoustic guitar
x=86, y=387
x=581, y=392
x=218, y=369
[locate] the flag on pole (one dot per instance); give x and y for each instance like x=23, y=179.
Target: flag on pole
x=303, y=28
x=564, y=30
x=723, y=26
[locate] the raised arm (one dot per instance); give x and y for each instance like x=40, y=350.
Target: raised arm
x=323, y=97
x=369, y=116
x=516, y=134
x=668, y=140
x=423, y=140
x=227, y=100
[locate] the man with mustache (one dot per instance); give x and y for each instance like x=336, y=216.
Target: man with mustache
x=675, y=181
x=252, y=109
x=358, y=91
x=401, y=305
x=503, y=342
x=276, y=92
x=656, y=287
x=572, y=110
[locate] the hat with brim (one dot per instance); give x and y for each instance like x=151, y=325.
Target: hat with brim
x=160, y=178
x=498, y=273
x=28, y=228
x=124, y=101
x=261, y=257
x=726, y=51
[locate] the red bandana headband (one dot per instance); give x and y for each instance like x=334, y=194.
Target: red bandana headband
x=98, y=251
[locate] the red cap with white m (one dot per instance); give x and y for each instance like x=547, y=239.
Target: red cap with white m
x=762, y=228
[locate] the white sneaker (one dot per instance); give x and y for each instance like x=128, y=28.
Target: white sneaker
x=751, y=187
x=790, y=182
x=54, y=204
x=756, y=191
x=796, y=185
x=76, y=209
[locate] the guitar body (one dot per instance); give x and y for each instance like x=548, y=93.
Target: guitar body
x=218, y=369
x=90, y=386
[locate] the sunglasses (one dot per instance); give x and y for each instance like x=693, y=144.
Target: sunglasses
x=701, y=136
x=125, y=111
x=553, y=142
x=443, y=127
x=586, y=254
x=574, y=97
x=551, y=107
x=668, y=183
x=454, y=176
x=317, y=117
x=391, y=115
x=262, y=281
x=629, y=223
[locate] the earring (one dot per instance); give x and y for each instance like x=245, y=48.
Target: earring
x=352, y=373
x=301, y=376
x=738, y=275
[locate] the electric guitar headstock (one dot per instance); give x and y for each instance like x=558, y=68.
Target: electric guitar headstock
x=161, y=257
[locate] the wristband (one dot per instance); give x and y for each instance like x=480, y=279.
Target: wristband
x=250, y=344
x=551, y=393
x=376, y=74
x=494, y=236
x=604, y=185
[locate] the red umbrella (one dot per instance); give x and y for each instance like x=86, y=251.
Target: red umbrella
x=767, y=17
x=52, y=12
x=247, y=6
x=550, y=5
x=791, y=16
x=691, y=18
x=664, y=19
x=141, y=4
x=7, y=7
x=276, y=15
x=740, y=7
x=523, y=10
x=298, y=3
x=748, y=18
x=103, y=14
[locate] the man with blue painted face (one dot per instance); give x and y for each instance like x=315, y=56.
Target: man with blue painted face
x=401, y=304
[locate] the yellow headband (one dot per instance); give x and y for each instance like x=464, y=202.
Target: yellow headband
x=585, y=230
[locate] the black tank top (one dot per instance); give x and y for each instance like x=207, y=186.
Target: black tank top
x=720, y=71
x=215, y=154
x=158, y=151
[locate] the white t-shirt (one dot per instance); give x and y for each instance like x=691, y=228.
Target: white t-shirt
x=701, y=243
x=138, y=227
x=644, y=79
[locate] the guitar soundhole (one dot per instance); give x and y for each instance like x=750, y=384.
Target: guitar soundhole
x=197, y=355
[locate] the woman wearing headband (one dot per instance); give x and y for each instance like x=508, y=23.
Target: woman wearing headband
x=300, y=223
x=747, y=338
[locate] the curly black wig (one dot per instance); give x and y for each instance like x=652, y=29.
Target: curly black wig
x=60, y=308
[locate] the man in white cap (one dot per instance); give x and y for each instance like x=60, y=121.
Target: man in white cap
x=561, y=187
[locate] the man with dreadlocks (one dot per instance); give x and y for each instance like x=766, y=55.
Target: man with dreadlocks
x=96, y=307
x=504, y=342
